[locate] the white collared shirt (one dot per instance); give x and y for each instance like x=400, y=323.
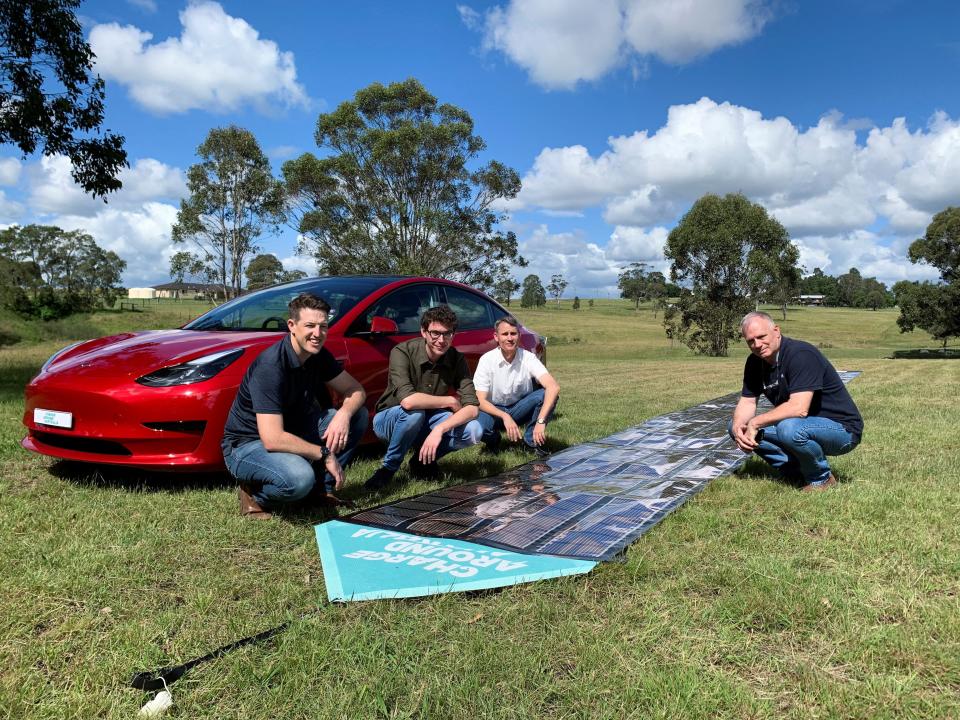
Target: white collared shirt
x=507, y=382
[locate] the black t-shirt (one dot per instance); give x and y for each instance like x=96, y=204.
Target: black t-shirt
x=277, y=384
x=802, y=368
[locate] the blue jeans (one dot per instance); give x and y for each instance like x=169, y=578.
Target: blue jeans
x=799, y=446
x=524, y=412
x=280, y=477
x=403, y=429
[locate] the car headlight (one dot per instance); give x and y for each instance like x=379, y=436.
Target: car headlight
x=57, y=354
x=194, y=371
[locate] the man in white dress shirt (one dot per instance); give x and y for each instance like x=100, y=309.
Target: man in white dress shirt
x=514, y=389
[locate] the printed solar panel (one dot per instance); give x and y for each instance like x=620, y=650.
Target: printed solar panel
x=586, y=502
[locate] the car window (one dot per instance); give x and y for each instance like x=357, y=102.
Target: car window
x=267, y=309
x=403, y=306
x=473, y=312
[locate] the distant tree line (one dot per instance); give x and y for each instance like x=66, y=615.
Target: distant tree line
x=50, y=273
x=850, y=289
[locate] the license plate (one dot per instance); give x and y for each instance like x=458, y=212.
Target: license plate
x=54, y=418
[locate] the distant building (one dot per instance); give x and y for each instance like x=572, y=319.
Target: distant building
x=188, y=289
x=811, y=299
x=142, y=293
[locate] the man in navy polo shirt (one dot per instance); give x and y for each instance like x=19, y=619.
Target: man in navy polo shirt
x=813, y=414
x=283, y=422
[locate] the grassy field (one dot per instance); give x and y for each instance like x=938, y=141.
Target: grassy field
x=752, y=601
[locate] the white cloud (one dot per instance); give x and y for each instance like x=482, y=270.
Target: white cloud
x=562, y=42
x=639, y=207
x=863, y=250
x=631, y=244
x=850, y=201
x=678, y=31
x=149, y=6
x=135, y=222
x=590, y=269
x=559, y=42
x=53, y=191
x=703, y=147
x=141, y=237
x=9, y=171
x=300, y=262
x=10, y=210
x=219, y=63
x=282, y=152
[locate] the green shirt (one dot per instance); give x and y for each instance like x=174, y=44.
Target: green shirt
x=411, y=371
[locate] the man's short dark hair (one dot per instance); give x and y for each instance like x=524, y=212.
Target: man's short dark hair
x=509, y=320
x=440, y=314
x=307, y=301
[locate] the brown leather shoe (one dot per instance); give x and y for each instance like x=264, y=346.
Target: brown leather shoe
x=249, y=507
x=825, y=485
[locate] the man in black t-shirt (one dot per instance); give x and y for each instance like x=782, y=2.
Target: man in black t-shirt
x=283, y=421
x=813, y=414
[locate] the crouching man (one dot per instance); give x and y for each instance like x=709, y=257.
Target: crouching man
x=430, y=403
x=813, y=414
x=282, y=428
x=514, y=389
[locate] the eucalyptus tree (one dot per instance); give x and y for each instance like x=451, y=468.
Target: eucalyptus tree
x=728, y=251
x=233, y=200
x=398, y=189
x=50, y=98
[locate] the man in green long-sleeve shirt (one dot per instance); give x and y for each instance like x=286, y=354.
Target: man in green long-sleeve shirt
x=430, y=403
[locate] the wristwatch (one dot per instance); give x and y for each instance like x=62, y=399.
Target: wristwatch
x=324, y=452
x=541, y=421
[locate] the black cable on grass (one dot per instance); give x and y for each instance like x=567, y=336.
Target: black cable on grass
x=158, y=679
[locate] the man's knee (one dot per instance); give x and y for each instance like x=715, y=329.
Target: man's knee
x=792, y=431
x=472, y=432
x=298, y=481
x=537, y=395
x=403, y=422
x=285, y=476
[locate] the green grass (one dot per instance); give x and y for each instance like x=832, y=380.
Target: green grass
x=753, y=600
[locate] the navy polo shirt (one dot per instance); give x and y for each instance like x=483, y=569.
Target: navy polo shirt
x=802, y=368
x=277, y=384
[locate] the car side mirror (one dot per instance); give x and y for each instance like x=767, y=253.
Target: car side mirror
x=383, y=326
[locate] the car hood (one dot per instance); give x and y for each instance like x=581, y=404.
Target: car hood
x=134, y=354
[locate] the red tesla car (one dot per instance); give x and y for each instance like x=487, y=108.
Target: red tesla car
x=158, y=399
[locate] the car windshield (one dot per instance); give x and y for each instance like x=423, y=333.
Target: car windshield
x=267, y=309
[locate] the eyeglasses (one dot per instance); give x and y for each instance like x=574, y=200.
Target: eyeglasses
x=437, y=334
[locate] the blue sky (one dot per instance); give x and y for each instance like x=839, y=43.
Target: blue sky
x=841, y=118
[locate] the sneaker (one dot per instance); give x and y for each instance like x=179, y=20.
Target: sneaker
x=823, y=485
x=539, y=451
x=249, y=507
x=492, y=444
x=381, y=478
x=423, y=471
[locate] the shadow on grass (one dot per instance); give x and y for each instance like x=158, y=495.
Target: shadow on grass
x=134, y=479
x=8, y=338
x=926, y=354
x=756, y=468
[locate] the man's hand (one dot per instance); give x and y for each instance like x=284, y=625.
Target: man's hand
x=428, y=451
x=745, y=435
x=337, y=432
x=539, y=433
x=332, y=466
x=513, y=432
